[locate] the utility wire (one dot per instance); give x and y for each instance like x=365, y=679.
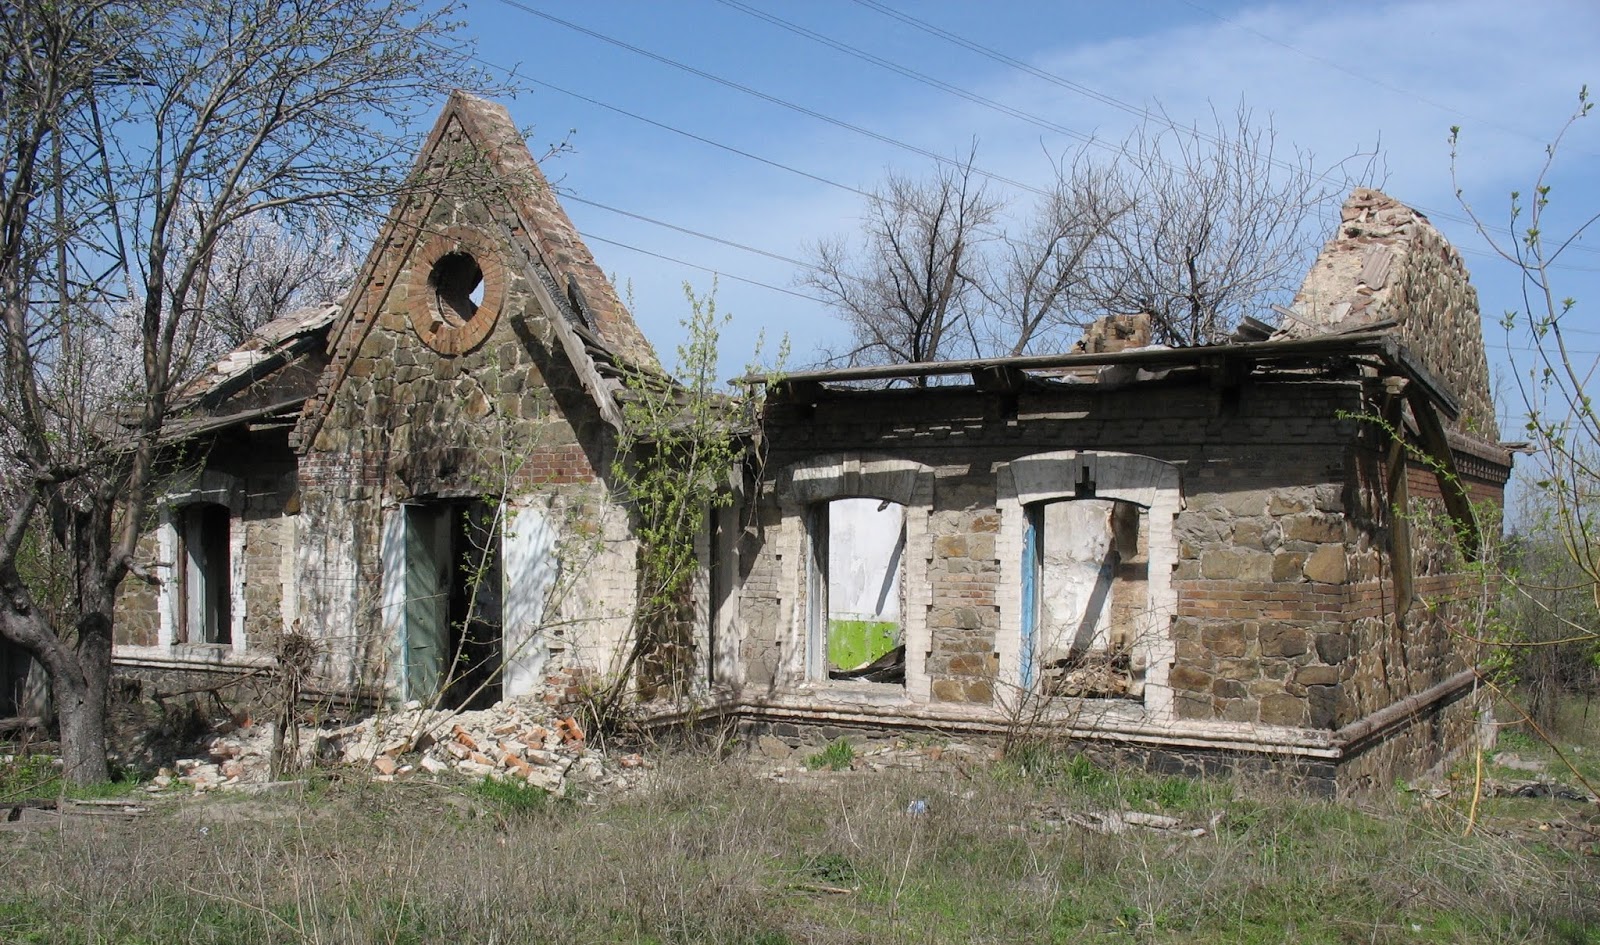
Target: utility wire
x=773, y=99
x=569, y=195
x=716, y=272
x=913, y=74
x=687, y=134
x=1135, y=110
x=789, y=168
x=1001, y=57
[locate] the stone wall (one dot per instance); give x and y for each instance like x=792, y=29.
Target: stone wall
x=1264, y=490
x=963, y=619
x=138, y=607
x=1285, y=613
x=1387, y=262
x=1437, y=736
x=427, y=403
x=262, y=471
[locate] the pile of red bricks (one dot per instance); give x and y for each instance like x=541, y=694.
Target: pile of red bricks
x=515, y=740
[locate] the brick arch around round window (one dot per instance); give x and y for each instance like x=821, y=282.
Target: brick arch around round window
x=1150, y=483
x=444, y=273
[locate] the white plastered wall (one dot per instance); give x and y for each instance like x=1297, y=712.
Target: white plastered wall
x=726, y=667
x=1142, y=480
x=529, y=569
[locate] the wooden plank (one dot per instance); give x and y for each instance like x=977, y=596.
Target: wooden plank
x=1457, y=502
x=1397, y=493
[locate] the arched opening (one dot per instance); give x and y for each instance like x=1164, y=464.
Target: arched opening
x=856, y=591
x=1086, y=595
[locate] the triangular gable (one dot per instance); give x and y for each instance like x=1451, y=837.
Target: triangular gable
x=593, y=327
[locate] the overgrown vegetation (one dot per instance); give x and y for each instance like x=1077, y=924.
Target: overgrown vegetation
x=512, y=797
x=30, y=776
x=836, y=757
x=1549, y=641
x=719, y=853
x=681, y=442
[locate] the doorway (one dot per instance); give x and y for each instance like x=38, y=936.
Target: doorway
x=454, y=639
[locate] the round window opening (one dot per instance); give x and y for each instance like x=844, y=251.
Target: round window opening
x=457, y=284
x=457, y=287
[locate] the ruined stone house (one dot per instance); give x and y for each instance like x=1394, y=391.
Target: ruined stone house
x=1242, y=555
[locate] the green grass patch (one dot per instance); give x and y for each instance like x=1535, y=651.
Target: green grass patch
x=37, y=777
x=512, y=797
x=837, y=756
x=853, y=643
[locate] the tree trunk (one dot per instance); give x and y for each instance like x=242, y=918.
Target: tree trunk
x=81, y=710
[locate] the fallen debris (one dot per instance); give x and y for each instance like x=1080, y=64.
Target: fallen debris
x=523, y=740
x=1112, y=823
x=520, y=739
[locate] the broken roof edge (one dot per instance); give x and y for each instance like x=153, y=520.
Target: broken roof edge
x=555, y=237
x=1380, y=343
x=271, y=345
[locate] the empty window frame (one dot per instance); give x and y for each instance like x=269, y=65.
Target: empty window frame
x=856, y=591
x=205, y=574
x=1086, y=595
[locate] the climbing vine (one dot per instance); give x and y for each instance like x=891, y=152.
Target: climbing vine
x=682, y=439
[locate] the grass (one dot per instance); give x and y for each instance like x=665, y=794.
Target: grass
x=837, y=756
x=27, y=777
x=712, y=852
x=512, y=797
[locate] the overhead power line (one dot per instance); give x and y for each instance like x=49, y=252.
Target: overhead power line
x=687, y=134
x=720, y=273
x=1135, y=110
x=773, y=99
x=567, y=194
x=914, y=75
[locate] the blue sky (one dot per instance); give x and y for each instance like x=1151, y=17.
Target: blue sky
x=1333, y=78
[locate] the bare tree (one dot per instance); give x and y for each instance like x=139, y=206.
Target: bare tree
x=137, y=137
x=264, y=268
x=1038, y=287
x=1216, y=226
x=905, y=293
x=1195, y=228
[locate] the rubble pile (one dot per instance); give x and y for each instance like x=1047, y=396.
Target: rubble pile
x=239, y=753
x=515, y=740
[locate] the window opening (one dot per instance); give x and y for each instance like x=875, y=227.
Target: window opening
x=457, y=283
x=205, y=610
x=1086, y=595
x=453, y=623
x=857, y=591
